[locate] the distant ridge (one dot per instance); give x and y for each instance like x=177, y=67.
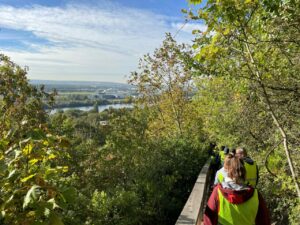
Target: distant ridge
x=90, y=86
x=84, y=83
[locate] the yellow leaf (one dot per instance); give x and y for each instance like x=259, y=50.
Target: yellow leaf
x=27, y=149
x=33, y=161
x=52, y=156
x=65, y=169
x=226, y=31
x=30, y=214
x=27, y=178
x=51, y=171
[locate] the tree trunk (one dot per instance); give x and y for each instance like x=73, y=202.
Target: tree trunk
x=276, y=121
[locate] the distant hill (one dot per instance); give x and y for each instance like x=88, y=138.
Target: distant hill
x=79, y=85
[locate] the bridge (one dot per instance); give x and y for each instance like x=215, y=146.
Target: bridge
x=194, y=208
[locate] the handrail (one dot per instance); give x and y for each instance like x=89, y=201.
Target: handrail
x=194, y=207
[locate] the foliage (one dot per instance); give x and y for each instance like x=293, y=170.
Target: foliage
x=29, y=153
x=159, y=170
x=140, y=167
x=131, y=178
x=164, y=82
x=254, y=47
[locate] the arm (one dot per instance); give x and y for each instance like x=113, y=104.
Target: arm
x=211, y=210
x=262, y=216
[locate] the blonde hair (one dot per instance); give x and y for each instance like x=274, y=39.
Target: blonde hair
x=243, y=150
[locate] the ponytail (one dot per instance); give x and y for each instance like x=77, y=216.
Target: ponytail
x=236, y=170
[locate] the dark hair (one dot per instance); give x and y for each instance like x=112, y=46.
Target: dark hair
x=227, y=161
x=226, y=150
x=233, y=151
x=222, y=147
x=236, y=170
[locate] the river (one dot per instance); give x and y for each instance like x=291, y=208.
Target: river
x=87, y=108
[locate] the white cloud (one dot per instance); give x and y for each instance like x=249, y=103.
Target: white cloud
x=102, y=42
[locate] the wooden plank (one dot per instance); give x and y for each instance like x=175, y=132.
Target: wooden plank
x=193, y=209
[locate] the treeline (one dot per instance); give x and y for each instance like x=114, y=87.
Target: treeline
x=66, y=104
x=70, y=168
x=83, y=100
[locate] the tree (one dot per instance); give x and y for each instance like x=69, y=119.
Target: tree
x=165, y=87
x=29, y=153
x=96, y=107
x=258, y=41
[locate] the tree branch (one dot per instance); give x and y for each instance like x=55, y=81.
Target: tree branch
x=267, y=157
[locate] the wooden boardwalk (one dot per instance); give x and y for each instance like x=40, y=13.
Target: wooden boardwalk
x=193, y=210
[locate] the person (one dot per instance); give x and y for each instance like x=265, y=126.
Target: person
x=215, y=158
x=252, y=174
x=212, y=146
x=222, y=173
x=233, y=202
x=224, y=151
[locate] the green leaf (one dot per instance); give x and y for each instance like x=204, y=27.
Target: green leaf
x=17, y=153
x=40, y=223
x=2, y=214
x=183, y=10
x=3, y=167
x=69, y=194
x=195, y=1
x=3, y=144
x=47, y=212
x=31, y=195
x=10, y=199
x=25, y=140
x=53, y=203
x=55, y=220
x=13, y=175
x=37, y=134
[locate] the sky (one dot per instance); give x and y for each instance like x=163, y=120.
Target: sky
x=88, y=40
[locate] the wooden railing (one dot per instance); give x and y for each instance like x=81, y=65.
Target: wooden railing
x=194, y=207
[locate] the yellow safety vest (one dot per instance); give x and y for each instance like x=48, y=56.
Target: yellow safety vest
x=251, y=174
x=238, y=214
x=220, y=178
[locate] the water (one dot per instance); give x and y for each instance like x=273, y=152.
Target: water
x=87, y=108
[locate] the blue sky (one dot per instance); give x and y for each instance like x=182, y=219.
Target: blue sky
x=92, y=40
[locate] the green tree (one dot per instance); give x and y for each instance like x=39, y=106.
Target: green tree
x=256, y=45
x=258, y=41
x=165, y=86
x=29, y=153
